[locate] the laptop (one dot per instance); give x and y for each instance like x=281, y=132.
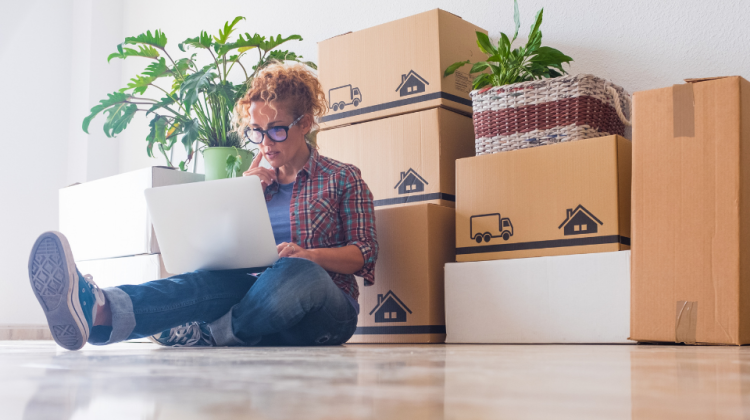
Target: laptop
x=212, y=225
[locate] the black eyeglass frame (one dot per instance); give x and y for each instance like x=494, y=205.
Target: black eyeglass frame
x=264, y=133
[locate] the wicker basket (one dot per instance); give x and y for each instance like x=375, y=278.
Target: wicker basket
x=548, y=111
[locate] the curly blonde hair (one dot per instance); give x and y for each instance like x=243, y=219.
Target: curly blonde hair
x=294, y=84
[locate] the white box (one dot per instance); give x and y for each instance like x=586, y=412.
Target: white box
x=108, y=218
x=581, y=298
x=113, y=272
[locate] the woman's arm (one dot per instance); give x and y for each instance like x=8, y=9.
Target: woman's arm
x=345, y=260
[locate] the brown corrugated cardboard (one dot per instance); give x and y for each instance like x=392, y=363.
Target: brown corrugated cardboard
x=691, y=213
x=406, y=303
x=108, y=218
x=405, y=159
x=567, y=198
x=397, y=68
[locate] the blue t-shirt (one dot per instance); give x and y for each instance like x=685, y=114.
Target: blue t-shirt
x=278, y=212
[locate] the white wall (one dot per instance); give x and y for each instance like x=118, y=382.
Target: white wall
x=639, y=44
x=53, y=67
x=48, y=65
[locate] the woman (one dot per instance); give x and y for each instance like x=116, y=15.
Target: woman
x=323, y=221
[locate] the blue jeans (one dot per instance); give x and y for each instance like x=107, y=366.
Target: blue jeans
x=295, y=302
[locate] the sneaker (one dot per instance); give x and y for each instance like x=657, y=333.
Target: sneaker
x=67, y=297
x=188, y=335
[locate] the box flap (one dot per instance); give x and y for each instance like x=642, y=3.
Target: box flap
x=705, y=79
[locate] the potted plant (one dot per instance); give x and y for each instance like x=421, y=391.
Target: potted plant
x=522, y=98
x=196, y=101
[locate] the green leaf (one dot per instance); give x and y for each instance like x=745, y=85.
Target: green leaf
x=158, y=39
x=242, y=44
x=480, y=66
x=191, y=130
x=113, y=99
x=163, y=103
x=225, y=90
x=275, y=42
x=483, y=41
x=482, y=80
x=157, y=69
x=516, y=19
x=138, y=84
x=537, y=23
x=504, y=44
x=234, y=163
x=118, y=118
x=158, y=127
x=203, y=41
x=195, y=84
x=455, y=66
x=183, y=166
x=142, y=51
x=228, y=29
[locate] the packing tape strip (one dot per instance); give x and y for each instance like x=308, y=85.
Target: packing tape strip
x=686, y=322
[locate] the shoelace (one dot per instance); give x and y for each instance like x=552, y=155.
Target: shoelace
x=98, y=294
x=186, y=335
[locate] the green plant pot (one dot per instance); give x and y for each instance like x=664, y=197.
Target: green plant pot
x=215, y=160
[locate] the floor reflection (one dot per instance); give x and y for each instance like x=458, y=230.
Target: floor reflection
x=142, y=381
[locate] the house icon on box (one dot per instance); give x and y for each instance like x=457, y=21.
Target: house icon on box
x=410, y=182
x=411, y=83
x=390, y=309
x=580, y=222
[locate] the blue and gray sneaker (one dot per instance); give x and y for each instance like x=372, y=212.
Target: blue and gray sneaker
x=68, y=298
x=191, y=334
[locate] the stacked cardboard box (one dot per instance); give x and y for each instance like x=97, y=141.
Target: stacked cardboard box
x=558, y=200
x=691, y=214
x=403, y=125
x=109, y=229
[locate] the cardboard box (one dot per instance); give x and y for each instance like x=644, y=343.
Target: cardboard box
x=691, y=214
x=562, y=299
x=406, y=305
x=405, y=159
x=108, y=218
x=113, y=272
x=561, y=199
x=397, y=67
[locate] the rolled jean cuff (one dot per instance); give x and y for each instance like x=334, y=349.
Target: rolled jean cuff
x=221, y=332
x=123, y=318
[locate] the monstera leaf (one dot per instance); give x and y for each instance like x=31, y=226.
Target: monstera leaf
x=158, y=39
x=142, y=51
x=116, y=100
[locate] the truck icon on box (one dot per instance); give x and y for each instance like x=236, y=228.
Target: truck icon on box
x=342, y=96
x=488, y=226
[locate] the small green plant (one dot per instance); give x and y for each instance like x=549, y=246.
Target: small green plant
x=529, y=62
x=197, y=105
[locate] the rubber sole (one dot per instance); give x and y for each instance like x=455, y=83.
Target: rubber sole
x=54, y=280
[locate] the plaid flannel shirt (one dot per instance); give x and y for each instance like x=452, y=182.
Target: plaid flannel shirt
x=332, y=207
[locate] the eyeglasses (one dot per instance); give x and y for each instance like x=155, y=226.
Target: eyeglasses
x=277, y=134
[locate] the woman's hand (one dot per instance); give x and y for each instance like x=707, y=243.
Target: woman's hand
x=345, y=260
x=289, y=249
x=267, y=176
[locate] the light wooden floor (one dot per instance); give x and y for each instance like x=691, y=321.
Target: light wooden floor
x=142, y=381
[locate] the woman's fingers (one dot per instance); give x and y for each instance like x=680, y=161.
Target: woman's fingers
x=256, y=160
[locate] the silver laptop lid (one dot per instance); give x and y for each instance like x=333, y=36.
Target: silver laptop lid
x=212, y=225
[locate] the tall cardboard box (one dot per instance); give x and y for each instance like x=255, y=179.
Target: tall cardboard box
x=582, y=298
x=566, y=198
x=397, y=67
x=691, y=213
x=108, y=218
x=406, y=303
x=405, y=159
